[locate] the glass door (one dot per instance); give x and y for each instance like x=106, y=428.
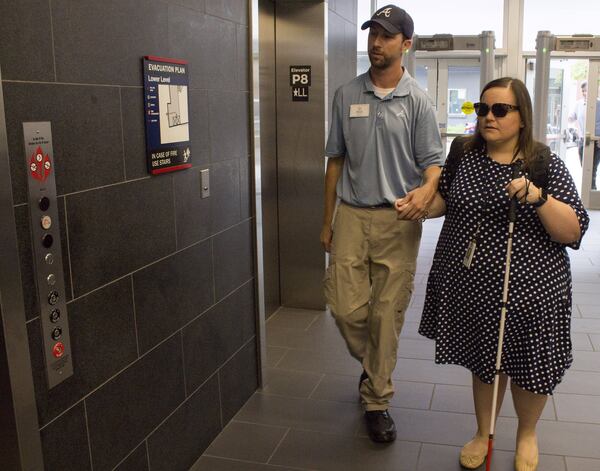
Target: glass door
x=458, y=83
x=565, y=121
x=426, y=74
x=591, y=140
x=571, y=130
x=450, y=83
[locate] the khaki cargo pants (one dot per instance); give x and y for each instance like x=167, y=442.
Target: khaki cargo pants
x=368, y=286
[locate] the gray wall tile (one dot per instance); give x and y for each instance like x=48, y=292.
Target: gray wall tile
x=64, y=442
x=228, y=125
x=26, y=38
x=210, y=340
x=184, y=436
x=208, y=43
x=233, y=251
x=225, y=195
x=115, y=230
x=234, y=10
x=192, y=213
x=105, y=314
x=246, y=187
x=126, y=409
x=242, y=58
x=197, y=217
x=170, y=293
x=137, y=461
x=134, y=132
x=86, y=133
x=238, y=380
x=199, y=127
x=103, y=42
x=198, y=5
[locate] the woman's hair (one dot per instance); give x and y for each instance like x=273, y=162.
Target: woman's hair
x=526, y=145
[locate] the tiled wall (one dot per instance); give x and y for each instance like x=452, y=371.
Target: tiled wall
x=159, y=282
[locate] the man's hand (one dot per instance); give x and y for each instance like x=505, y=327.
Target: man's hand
x=326, y=237
x=415, y=204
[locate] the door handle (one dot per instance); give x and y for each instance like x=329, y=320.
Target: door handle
x=589, y=138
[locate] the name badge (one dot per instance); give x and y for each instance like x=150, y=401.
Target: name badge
x=359, y=111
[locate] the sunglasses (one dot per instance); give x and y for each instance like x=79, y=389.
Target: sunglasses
x=499, y=110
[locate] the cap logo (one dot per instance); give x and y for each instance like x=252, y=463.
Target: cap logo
x=386, y=11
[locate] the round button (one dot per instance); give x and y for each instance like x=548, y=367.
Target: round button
x=53, y=298
x=58, y=350
x=44, y=203
x=47, y=241
x=56, y=333
x=51, y=279
x=54, y=315
x=49, y=258
x=46, y=222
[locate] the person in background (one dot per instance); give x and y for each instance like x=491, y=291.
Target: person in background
x=383, y=144
x=464, y=290
x=577, y=117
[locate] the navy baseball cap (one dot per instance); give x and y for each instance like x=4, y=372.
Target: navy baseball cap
x=393, y=19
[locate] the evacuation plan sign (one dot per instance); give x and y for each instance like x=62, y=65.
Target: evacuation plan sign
x=166, y=109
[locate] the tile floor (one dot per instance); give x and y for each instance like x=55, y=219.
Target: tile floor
x=307, y=417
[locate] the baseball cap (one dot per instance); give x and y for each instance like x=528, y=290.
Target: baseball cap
x=393, y=19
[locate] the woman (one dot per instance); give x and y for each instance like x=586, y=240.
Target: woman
x=464, y=290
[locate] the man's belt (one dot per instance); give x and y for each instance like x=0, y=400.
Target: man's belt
x=373, y=206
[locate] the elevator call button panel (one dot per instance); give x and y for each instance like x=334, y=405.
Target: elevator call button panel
x=47, y=256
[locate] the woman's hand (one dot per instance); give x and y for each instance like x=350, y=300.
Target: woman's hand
x=524, y=190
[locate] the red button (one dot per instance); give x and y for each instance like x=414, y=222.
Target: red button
x=58, y=349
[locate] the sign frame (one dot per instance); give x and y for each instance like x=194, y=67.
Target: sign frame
x=166, y=114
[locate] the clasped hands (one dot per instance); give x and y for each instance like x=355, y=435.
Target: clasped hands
x=414, y=206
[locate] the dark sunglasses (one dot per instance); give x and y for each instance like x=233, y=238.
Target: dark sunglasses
x=499, y=110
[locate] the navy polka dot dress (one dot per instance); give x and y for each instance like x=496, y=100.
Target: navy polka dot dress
x=462, y=305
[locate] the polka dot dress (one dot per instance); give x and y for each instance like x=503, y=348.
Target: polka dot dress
x=462, y=305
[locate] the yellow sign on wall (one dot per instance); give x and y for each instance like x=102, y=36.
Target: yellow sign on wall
x=467, y=107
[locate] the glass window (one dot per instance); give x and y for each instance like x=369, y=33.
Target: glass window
x=451, y=18
x=363, y=14
x=559, y=17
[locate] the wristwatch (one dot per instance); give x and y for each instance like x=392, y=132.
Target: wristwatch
x=543, y=197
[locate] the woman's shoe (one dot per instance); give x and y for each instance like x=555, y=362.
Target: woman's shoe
x=471, y=461
x=522, y=465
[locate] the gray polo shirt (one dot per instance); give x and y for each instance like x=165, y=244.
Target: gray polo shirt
x=386, y=144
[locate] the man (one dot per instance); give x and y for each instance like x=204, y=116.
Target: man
x=384, y=144
x=578, y=116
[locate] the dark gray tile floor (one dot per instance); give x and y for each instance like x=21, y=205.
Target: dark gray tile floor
x=307, y=417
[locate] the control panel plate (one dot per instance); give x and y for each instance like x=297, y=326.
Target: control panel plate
x=47, y=256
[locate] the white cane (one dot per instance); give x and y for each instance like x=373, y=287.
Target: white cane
x=512, y=217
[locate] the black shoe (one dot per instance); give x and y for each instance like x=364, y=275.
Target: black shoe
x=363, y=376
x=381, y=426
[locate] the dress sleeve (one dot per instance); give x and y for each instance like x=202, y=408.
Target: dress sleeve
x=445, y=183
x=562, y=187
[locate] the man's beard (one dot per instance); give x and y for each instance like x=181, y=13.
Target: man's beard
x=379, y=61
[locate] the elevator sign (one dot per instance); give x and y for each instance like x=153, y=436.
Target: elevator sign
x=300, y=82
x=166, y=109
